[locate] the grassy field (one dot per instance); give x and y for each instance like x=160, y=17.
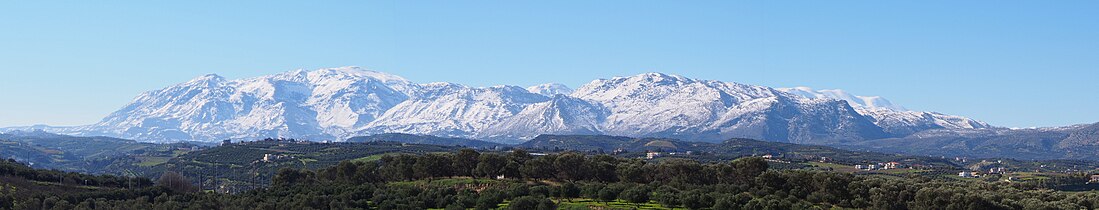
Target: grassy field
x=152, y=161
x=835, y=167
x=584, y=203
x=956, y=177
x=576, y=203
x=618, y=204
x=1028, y=176
x=448, y=182
x=901, y=171
x=372, y=157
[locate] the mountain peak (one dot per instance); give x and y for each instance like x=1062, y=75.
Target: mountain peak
x=658, y=77
x=355, y=71
x=210, y=76
x=854, y=100
x=550, y=89
x=207, y=80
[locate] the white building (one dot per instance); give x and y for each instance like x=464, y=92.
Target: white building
x=967, y=174
x=892, y=165
x=651, y=155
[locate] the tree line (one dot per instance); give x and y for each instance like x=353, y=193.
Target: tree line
x=518, y=180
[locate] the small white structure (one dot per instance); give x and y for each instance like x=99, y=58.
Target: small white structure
x=651, y=155
x=997, y=170
x=892, y=165
x=967, y=174
x=271, y=157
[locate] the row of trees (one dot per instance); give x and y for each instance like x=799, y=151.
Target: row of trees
x=519, y=164
x=12, y=168
x=551, y=181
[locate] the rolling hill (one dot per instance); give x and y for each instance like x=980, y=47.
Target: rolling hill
x=425, y=139
x=1071, y=142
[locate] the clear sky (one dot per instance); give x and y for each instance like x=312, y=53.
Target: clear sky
x=1010, y=63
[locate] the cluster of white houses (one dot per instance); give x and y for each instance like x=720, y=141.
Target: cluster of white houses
x=653, y=155
x=268, y=158
x=273, y=157
x=969, y=174
x=975, y=174
x=880, y=166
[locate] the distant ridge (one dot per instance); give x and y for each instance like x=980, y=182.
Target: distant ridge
x=1070, y=142
x=724, y=150
x=424, y=139
x=334, y=104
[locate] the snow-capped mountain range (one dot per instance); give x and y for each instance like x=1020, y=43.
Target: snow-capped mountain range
x=893, y=118
x=338, y=103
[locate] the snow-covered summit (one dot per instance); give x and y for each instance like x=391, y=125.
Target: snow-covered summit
x=855, y=100
x=550, y=89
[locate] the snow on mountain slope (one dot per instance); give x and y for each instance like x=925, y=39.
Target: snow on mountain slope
x=447, y=109
x=660, y=105
x=305, y=104
x=550, y=89
x=560, y=115
x=337, y=103
x=903, y=123
x=855, y=100
x=894, y=119
x=655, y=102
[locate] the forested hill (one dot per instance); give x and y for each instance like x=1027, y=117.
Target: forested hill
x=726, y=150
x=21, y=184
x=1079, y=142
x=518, y=180
x=241, y=166
x=425, y=139
x=83, y=154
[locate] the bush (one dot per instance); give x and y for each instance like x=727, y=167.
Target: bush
x=696, y=199
x=455, y=206
x=543, y=191
x=607, y=194
x=636, y=195
x=489, y=199
x=532, y=202
x=667, y=196
x=175, y=182
x=568, y=191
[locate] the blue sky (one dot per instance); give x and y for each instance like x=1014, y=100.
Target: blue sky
x=1010, y=63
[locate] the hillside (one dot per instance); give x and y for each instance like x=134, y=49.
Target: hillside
x=21, y=182
x=726, y=150
x=424, y=139
x=83, y=154
x=247, y=165
x=1072, y=142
